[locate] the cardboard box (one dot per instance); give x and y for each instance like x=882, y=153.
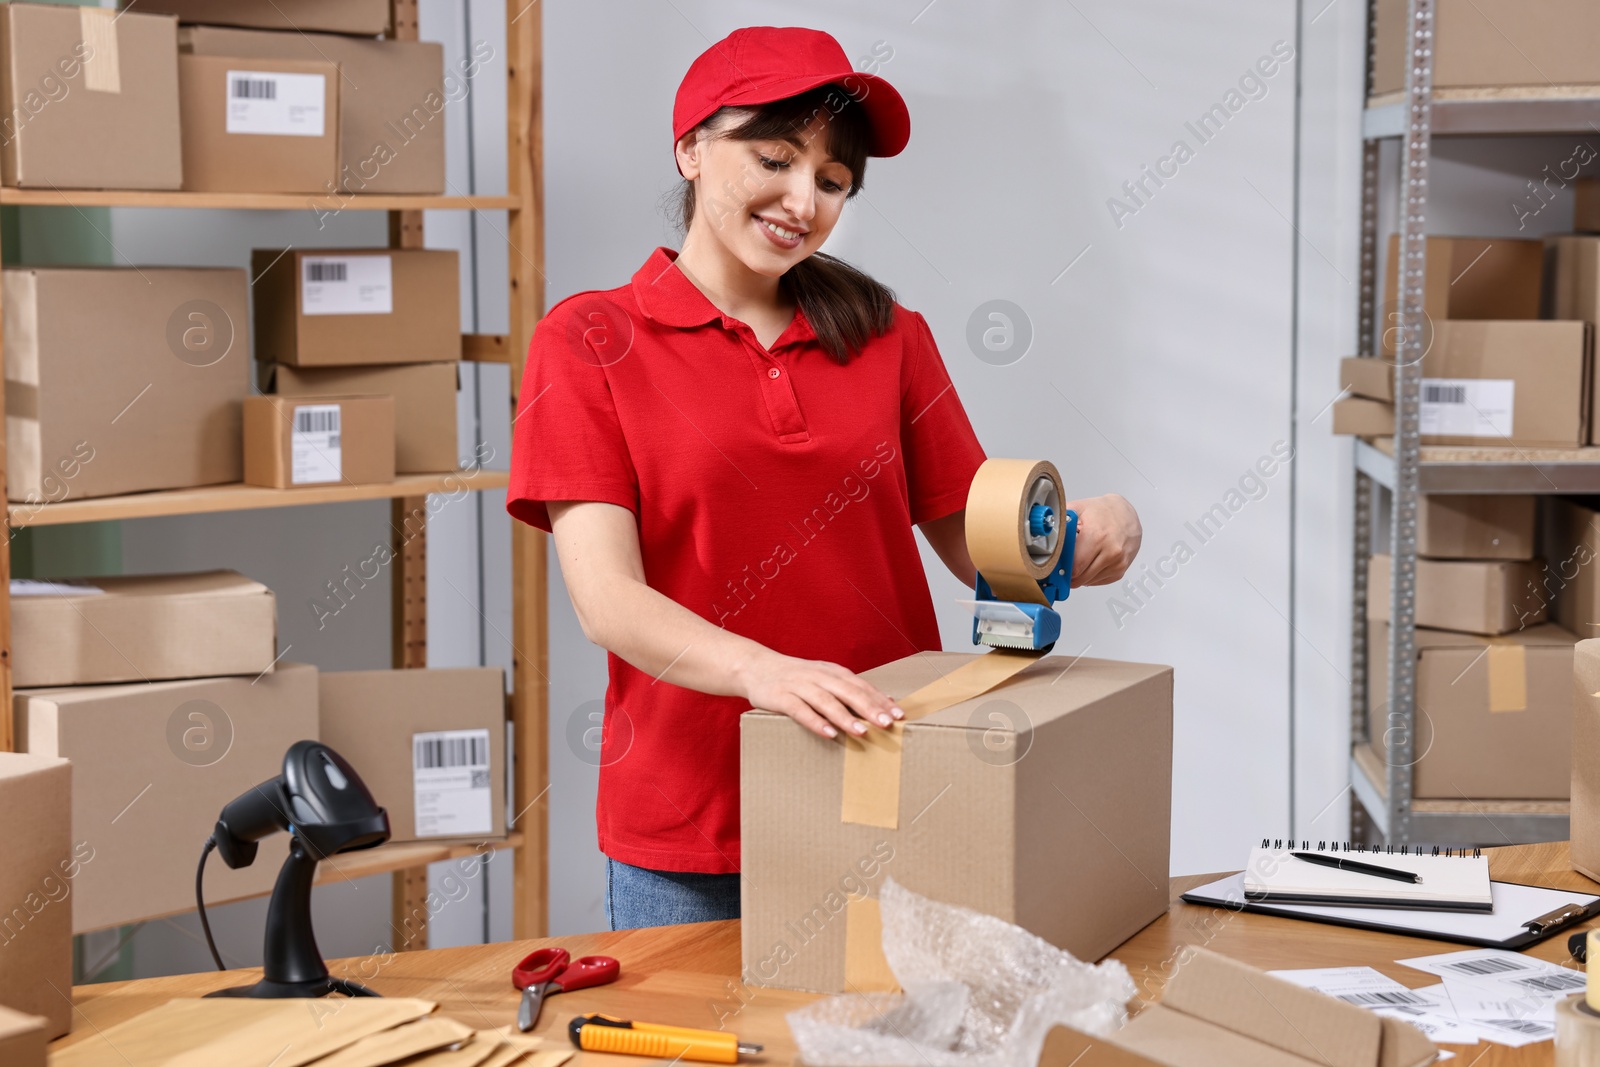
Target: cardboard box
x=1476, y=527
x=424, y=404
x=1585, y=830
x=258, y=125
x=1572, y=280
x=430, y=744
x=122, y=380
x=291, y=442
x=1585, y=208
x=39, y=883
x=391, y=130
x=1045, y=801
x=367, y=17
x=338, y=307
x=1474, y=596
x=23, y=1038
x=1468, y=278
x=1492, y=43
x=1360, y=417
x=1367, y=376
x=90, y=98
x=153, y=765
x=145, y=628
x=1219, y=1011
x=1494, y=714
x=1572, y=578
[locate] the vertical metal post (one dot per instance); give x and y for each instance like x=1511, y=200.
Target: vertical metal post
x=1362, y=509
x=1415, y=151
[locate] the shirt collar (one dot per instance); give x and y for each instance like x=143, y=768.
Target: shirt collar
x=667, y=296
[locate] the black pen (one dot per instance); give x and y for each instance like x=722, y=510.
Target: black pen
x=1358, y=867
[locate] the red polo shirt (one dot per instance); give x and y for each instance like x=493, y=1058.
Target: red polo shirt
x=775, y=492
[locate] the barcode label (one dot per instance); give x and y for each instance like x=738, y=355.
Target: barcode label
x=315, y=452
x=450, y=782
x=322, y=419
x=1387, y=998
x=276, y=104
x=1488, y=965
x=443, y=750
x=328, y=271
x=255, y=89
x=346, y=285
x=1564, y=982
x=1523, y=1026
x=1467, y=407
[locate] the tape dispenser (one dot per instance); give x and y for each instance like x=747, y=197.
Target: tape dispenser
x=1021, y=539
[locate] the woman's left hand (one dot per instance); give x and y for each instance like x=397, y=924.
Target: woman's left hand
x=1109, y=535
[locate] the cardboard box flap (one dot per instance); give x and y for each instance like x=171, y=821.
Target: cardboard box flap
x=1171, y=1037
x=1082, y=682
x=197, y=584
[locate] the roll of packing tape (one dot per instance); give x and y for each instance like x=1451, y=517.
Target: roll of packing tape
x=1577, y=1034
x=1010, y=550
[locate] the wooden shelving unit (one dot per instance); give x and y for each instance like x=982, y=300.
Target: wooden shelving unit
x=527, y=706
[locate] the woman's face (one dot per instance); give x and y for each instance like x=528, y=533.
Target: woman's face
x=769, y=203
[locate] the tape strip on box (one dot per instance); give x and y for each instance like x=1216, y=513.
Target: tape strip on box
x=102, y=67
x=865, y=968
x=1508, y=676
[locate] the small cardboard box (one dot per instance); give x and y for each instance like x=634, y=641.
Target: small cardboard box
x=23, y=1037
x=338, y=307
x=144, y=628
x=424, y=404
x=291, y=442
x=1045, y=801
x=259, y=125
x=1492, y=44
x=90, y=98
x=391, y=130
x=1494, y=714
x=1474, y=596
x=1469, y=278
x=1586, y=762
x=365, y=17
x=122, y=380
x=1368, y=376
x=1507, y=382
x=1360, y=417
x=1572, y=278
x=430, y=745
x=1476, y=527
x=153, y=765
x=39, y=883
x=1219, y=1011
x=1572, y=578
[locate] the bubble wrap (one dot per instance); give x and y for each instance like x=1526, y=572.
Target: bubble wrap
x=978, y=992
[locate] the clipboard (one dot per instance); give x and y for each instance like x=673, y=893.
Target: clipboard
x=1523, y=915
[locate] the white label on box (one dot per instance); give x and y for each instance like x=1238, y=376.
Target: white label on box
x=286, y=105
x=1467, y=407
x=315, y=453
x=35, y=587
x=450, y=783
x=346, y=285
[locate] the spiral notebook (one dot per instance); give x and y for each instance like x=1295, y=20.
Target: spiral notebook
x=1451, y=880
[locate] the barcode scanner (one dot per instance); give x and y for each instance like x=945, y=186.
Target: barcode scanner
x=323, y=803
x=1578, y=945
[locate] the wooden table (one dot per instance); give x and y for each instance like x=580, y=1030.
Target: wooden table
x=688, y=975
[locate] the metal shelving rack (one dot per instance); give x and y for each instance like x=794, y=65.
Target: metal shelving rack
x=527, y=705
x=1382, y=804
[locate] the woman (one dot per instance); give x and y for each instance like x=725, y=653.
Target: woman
x=731, y=451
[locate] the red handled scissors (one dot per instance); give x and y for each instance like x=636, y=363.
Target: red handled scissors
x=553, y=970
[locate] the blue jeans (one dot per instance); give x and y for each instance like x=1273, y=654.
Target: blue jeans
x=638, y=896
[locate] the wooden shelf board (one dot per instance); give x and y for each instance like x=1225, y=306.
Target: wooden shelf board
x=315, y=202
x=238, y=497
x=398, y=857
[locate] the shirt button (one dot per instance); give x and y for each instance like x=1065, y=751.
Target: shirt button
x=773, y=373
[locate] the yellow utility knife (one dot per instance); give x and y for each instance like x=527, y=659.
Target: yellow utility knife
x=606, y=1033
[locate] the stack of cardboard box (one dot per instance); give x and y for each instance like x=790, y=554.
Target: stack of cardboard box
x=291, y=97
x=1493, y=677
x=1493, y=373
x=371, y=336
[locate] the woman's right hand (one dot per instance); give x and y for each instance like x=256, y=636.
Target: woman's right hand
x=823, y=697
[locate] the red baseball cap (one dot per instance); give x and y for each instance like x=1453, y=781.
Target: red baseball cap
x=761, y=64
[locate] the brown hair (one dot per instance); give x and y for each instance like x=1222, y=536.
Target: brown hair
x=845, y=306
